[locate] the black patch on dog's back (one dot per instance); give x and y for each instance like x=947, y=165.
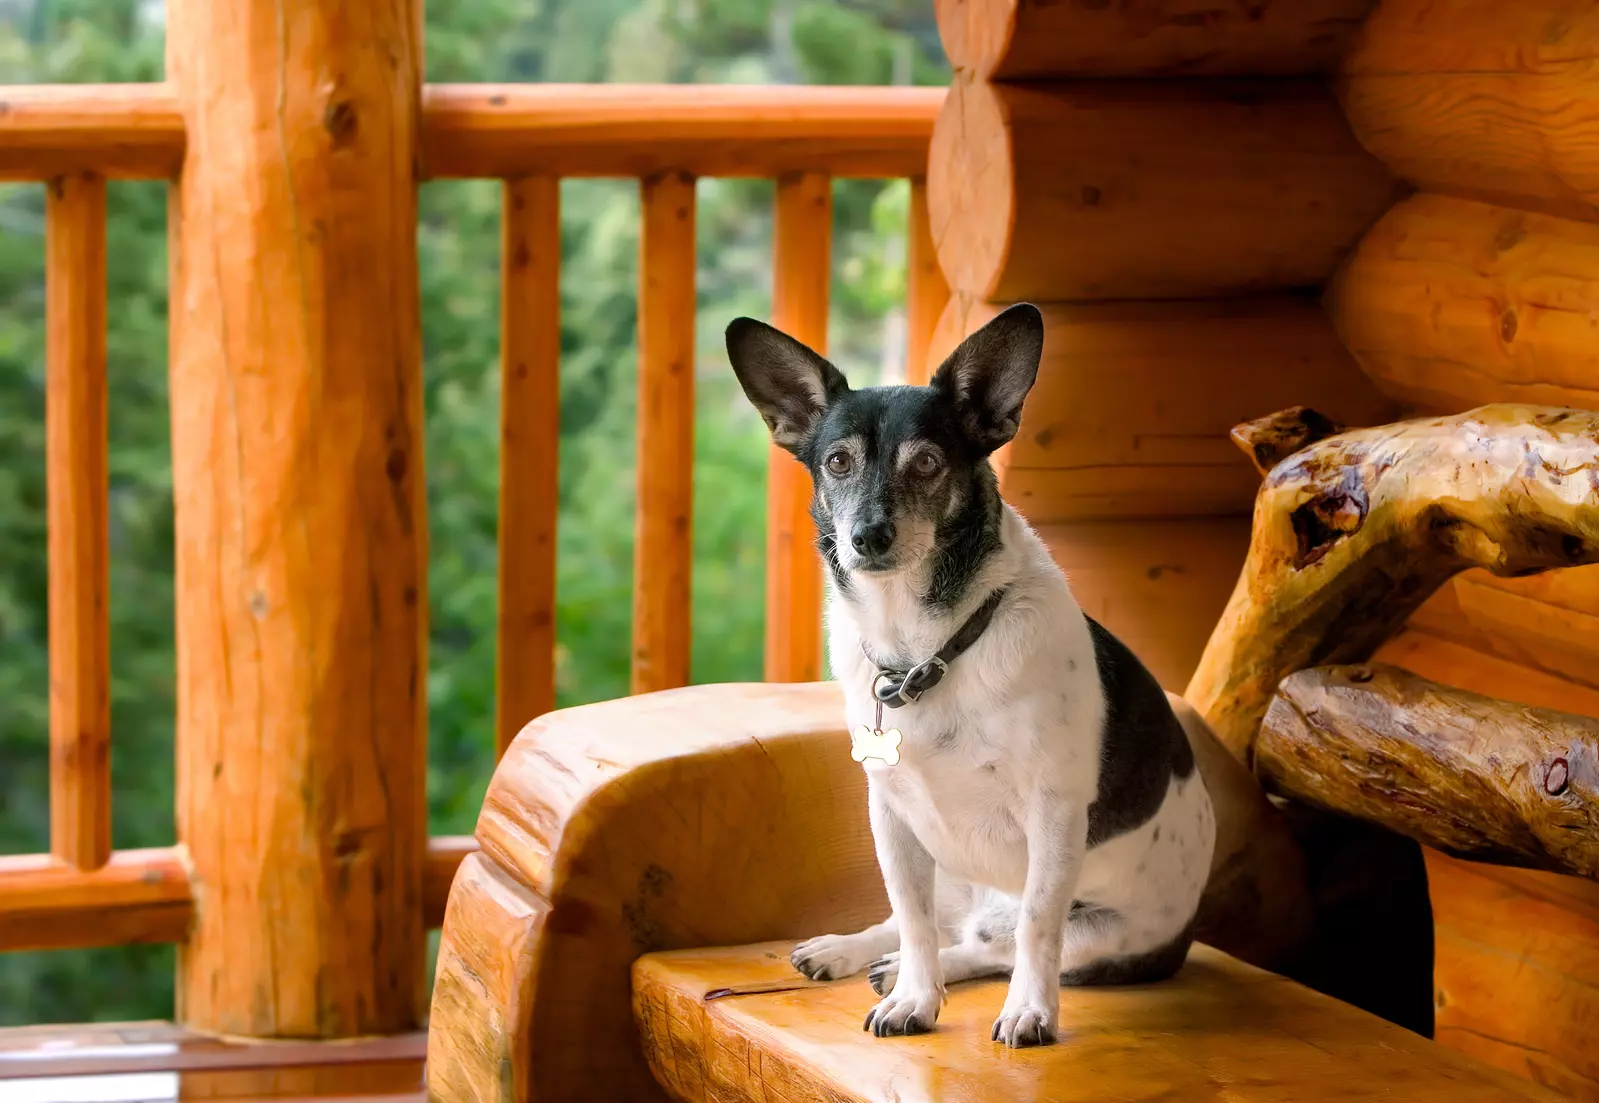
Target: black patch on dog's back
x=1142, y=746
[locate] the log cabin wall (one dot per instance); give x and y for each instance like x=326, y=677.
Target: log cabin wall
x=1176, y=188
x=1484, y=287
x=1172, y=189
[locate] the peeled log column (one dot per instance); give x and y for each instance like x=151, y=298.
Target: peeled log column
x=1353, y=532
x=1450, y=303
x=301, y=541
x=1033, y=39
x=1465, y=774
x=1178, y=375
x=1483, y=98
x=1147, y=189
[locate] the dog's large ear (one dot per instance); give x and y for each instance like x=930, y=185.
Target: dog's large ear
x=789, y=384
x=991, y=372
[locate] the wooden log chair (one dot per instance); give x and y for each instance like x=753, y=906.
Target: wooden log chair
x=647, y=863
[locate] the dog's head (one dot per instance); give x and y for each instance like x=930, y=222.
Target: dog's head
x=897, y=470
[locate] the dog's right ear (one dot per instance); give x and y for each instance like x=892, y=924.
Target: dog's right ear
x=789, y=385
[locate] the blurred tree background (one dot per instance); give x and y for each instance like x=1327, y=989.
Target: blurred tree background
x=744, y=41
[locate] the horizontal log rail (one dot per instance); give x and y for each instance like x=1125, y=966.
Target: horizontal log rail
x=136, y=131
x=142, y=896
x=127, y=131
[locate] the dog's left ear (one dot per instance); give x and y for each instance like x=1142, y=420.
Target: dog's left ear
x=991, y=372
x=789, y=384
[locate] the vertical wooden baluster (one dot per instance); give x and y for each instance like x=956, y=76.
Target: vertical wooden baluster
x=802, y=258
x=663, y=549
x=75, y=431
x=926, y=291
x=530, y=427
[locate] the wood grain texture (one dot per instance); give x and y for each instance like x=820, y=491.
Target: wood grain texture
x=663, y=546
x=802, y=237
x=1219, y=1029
x=1134, y=401
x=1352, y=533
x=633, y=130
x=1483, y=99
x=79, y=537
x=530, y=452
x=926, y=290
x=1517, y=962
x=129, y=131
x=702, y=816
x=1083, y=189
x=137, y=896
x=1449, y=303
x=1472, y=776
x=1158, y=585
x=1039, y=39
x=301, y=542
x=1516, y=975
x=1547, y=622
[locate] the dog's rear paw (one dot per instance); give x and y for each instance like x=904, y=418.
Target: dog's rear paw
x=830, y=957
x=1025, y=1026
x=907, y=1013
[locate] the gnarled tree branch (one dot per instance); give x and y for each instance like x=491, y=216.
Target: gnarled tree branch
x=1356, y=530
x=1465, y=774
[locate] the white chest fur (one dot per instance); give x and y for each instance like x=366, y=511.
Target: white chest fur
x=1016, y=719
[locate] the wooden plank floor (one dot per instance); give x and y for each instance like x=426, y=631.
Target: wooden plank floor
x=157, y=1062
x=1220, y=1030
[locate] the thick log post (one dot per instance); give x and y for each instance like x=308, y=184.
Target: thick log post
x=1466, y=774
x=1353, y=532
x=301, y=523
x=1482, y=98
x=1146, y=189
x=1038, y=39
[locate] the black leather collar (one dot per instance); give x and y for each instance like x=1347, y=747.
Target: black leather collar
x=894, y=687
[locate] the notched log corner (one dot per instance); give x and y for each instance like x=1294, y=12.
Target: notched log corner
x=1353, y=531
x=1469, y=775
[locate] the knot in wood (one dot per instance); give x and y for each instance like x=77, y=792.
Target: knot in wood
x=1556, y=777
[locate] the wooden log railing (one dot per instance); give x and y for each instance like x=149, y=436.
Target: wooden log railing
x=85, y=893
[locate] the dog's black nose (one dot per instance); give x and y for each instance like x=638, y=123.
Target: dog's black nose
x=873, y=537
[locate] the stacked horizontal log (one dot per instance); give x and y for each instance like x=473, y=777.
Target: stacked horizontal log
x=1169, y=229
x=1482, y=289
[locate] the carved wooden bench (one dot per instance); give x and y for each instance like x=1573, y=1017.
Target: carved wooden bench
x=621, y=840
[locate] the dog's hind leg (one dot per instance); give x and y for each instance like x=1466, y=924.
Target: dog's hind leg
x=1101, y=948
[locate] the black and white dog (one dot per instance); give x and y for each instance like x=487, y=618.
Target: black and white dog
x=1039, y=778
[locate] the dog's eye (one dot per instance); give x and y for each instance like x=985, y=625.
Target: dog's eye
x=925, y=463
x=839, y=463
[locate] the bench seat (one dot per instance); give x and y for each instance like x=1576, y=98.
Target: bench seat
x=1220, y=1030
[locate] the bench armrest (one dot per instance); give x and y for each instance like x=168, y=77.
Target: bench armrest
x=706, y=816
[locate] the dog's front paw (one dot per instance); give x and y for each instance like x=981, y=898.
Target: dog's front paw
x=1026, y=1024
x=912, y=1012
x=831, y=957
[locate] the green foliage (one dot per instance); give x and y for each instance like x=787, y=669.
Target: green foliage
x=866, y=41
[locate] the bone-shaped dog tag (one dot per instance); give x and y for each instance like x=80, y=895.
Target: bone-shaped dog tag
x=877, y=746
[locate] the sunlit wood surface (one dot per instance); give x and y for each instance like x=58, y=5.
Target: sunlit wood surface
x=1221, y=1030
